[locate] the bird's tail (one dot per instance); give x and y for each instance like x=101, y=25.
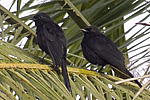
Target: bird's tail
x=125, y=73
x=65, y=75
x=136, y=81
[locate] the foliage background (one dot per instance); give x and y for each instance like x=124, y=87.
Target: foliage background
x=20, y=70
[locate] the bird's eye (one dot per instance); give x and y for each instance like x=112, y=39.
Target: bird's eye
x=40, y=17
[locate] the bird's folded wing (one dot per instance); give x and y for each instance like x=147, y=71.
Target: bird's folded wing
x=55, y=42
x=107, y=50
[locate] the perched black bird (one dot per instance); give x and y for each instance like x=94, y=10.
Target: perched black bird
x=52, y=41
x=100, y=50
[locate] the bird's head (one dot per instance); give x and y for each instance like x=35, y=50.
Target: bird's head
x=41, y=18
x=90, y=30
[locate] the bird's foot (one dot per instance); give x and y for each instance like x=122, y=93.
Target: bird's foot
x=55, y=67
x=101, y=72
x=41, y=61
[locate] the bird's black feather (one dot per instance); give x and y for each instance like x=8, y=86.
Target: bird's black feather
x=100, y=50
x=52, y=41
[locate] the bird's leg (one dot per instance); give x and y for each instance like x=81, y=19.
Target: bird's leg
x=100, y=70
x=41, y=61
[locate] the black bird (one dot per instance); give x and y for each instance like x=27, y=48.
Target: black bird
x=52, y=41
x=100, y=50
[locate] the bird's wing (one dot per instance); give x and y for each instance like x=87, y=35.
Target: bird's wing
x=55, y=41
x=106, y=49
x=56, y=44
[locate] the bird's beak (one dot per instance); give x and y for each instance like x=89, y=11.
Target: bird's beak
x=146, y=24
x=33, y=19
x=83, y=30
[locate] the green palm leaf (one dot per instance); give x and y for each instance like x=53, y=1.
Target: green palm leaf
x=21, y=75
